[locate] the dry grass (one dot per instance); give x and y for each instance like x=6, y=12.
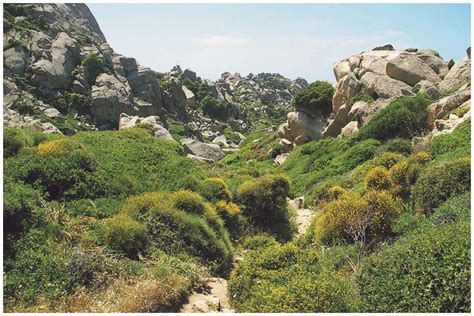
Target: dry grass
x=133, y=296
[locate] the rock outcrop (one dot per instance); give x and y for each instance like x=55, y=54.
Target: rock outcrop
x=211, y=152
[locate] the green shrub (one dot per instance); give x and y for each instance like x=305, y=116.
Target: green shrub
x=19, y=202
x=403, y=176
x=316, y=99
x=126, y=234
x=176, y=232
x=405, y=117
x=93, y=66
x=378, y=179
x=187, y=201
x=360, y=96
x=438, y=182
x=284, y=278
x=454, y=145
x=15, y=139
x=388, y=159
x=428, y=271
x=149, y=162
x=230, y=214
x=258, y=241
x=218, y=109
x=231, y=135
x=455, y=209
x=215, y=189
x=321, y=191
x=398, y=145
x=355, y=218
x=264, y=203
x=62, y=169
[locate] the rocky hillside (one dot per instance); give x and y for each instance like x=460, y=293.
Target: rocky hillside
x=62, y=76
x=368, y=82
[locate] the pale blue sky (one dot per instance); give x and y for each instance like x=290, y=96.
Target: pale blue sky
x=292, y=39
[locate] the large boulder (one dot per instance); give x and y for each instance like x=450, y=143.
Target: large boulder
x=56, y=74
x=127, y=121
x=383, y=86
x=439, y=66
x=145, y=86
x=203, y=150
x=110, y=98
x=342, y=117
x=439, y=109
x=341, y=69
x=190, y=97
x=410, y=69
x=459, y=73
x=302, y=128
x=350, y=129
x=346, y=88
x=14, y=60
x=427, y=87
x=188, y=73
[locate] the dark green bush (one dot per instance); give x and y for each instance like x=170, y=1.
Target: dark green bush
x=285, y=278
x=218, y=109
x=428, y=271
x=405, y=117
x=438, y=182
x=360, y=96
x=230, y=213
x=397, y=145
x=19, y=202
x=264, y=203
x=316, y=99
x=93, y=66
x=15, y=139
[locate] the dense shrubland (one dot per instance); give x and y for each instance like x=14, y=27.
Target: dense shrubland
x=122, y=214
x=394, y=223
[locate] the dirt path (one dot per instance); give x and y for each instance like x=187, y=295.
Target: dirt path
x=304, y=216
x=213, y=299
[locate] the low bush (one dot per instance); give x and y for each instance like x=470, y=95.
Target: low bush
x=264, y=203
x=316, y=99
x=126, y=234
x=284, y=278
x=218, y=109
x=428, y=271
x=378, y=179
x=388, y=159
x=215, y=189
x=187, y=201
x=403, y=176
x=175, y=231
x=62, y=169
x=15, y=139
x=405, y=117
x=398, y=145
x=19, y=202
x=438, y=182
x=454, y=145
x=355, y=218
x=455, y=209
x=258, y=241
x=230, y=214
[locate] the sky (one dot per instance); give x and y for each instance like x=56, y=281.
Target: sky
x=295, y=40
